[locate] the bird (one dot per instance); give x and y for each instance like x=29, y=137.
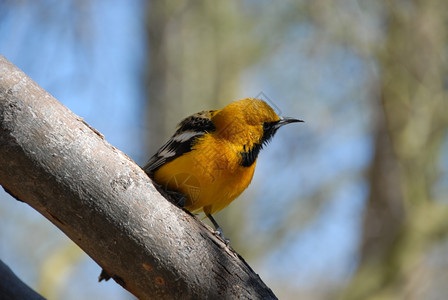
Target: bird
x=211, y=158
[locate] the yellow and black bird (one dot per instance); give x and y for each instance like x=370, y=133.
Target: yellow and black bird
x=211, y=157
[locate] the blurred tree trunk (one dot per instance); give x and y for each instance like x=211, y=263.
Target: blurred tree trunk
x=197, y=51
x=403, y=220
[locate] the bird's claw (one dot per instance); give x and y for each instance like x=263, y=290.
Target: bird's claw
x=220, y=233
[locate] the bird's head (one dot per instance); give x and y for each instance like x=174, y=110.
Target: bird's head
x=250, y=119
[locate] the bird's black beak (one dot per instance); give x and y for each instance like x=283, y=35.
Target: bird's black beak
x=270, y=128
x=286, y=120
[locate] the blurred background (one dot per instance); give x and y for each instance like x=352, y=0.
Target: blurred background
x=351, y=204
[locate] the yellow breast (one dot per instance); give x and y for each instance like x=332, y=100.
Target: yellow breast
x=210, y=175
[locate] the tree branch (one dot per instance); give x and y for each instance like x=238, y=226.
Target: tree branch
x=11, y=287
x=55, y=162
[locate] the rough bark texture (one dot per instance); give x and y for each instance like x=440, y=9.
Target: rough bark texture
x=55, y=162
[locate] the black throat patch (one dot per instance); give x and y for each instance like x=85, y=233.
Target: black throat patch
x=249, y=154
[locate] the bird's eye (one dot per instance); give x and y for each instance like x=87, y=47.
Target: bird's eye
x=267, y=125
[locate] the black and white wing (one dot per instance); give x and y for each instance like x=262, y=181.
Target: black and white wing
x=188, y=131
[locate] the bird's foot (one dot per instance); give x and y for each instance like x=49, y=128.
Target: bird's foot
x=220, y=233
x=174, y=197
